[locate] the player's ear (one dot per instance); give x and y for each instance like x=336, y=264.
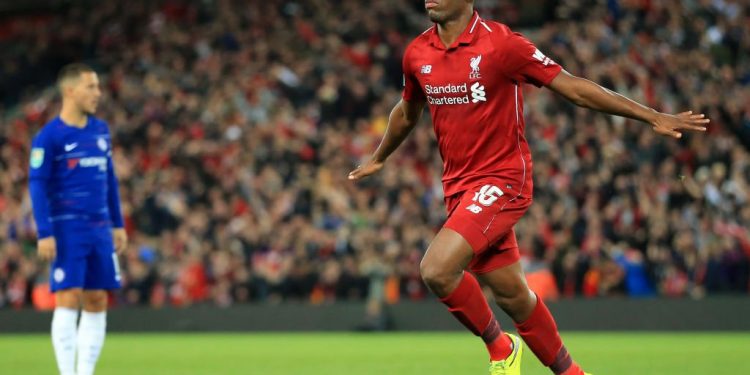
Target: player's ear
x=65, y=87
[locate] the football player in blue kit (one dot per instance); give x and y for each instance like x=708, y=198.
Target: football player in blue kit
x=76, y=205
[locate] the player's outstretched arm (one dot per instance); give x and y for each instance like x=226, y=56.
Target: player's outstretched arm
x=588, y=94
x=404, y=117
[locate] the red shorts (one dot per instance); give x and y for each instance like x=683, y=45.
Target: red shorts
x=484, y=215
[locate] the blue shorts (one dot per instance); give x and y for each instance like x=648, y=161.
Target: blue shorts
x=86, y=257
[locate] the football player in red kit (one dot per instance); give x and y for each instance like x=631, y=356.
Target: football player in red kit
x=469, y=71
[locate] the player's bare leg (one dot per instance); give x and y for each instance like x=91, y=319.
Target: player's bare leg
x=64, y=326
x=510, y=291
x=533, y=320
x=442, y=269
x=91, y=330
x=442, y=266
x=95, y=301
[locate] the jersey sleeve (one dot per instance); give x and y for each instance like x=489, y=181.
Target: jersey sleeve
x=113, y=192
x=525, y=63
x=42, y=156
x=113, y=196
x=40, y=171
x=412, y=90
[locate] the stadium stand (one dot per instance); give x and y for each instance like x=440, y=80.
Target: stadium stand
x=236, y=123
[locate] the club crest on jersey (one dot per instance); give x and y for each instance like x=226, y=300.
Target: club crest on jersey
x=58, y=275
x=474, y=64
x=102, y=143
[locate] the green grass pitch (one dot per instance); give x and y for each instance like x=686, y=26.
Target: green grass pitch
x=381, y=354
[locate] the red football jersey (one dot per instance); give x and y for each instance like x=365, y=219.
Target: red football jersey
x=473, y=91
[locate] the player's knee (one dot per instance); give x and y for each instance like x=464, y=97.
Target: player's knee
x=515, y=301
x=95, y=301
x=69, y=298
x=437, y=278
x=507, y=302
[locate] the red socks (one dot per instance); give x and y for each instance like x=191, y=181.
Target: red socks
x=539, y=332
x=498, y=343
x=469, y=306
x=574, y=369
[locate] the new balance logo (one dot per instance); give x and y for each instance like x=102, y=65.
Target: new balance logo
x=426, y=69
x=542, y=58
x=477, y=93
x=70, y=147
x=474, y=208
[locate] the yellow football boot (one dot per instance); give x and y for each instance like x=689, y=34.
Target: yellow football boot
x=512, y=364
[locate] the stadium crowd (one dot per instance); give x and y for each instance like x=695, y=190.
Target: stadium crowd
x=235, y=125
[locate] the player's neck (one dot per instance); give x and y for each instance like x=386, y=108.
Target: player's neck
x=73, y=117
x=449, y=31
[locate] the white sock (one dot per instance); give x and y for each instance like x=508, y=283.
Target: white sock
x=64, y=322
x=91, y=333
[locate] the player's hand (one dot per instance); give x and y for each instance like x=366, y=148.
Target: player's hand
x=120, y=238
x=46, y=248
x=363, y=171
x=674, y=125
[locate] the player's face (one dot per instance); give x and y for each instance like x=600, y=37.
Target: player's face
x=441, y=11
x=85, y=92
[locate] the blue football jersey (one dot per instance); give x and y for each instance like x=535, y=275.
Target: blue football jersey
x=72, y=176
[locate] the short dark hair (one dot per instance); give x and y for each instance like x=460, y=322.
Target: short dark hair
x=72, y=71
